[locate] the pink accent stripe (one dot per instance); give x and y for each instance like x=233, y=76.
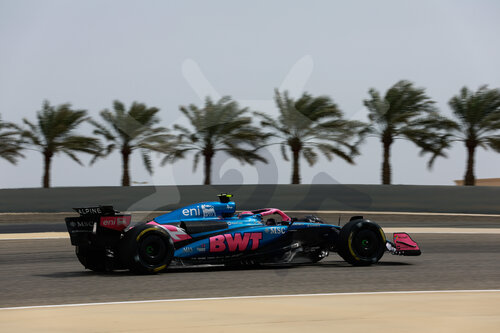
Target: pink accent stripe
x=177, y=234
x=270, y=211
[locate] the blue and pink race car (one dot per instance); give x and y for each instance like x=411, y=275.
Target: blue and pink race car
x=213, y=233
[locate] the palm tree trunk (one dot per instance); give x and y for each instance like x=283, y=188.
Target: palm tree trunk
x=470, y=179
x=47, y=157
x=208, y=167
x=386, y=164
x=125, y=159
x=296, y=167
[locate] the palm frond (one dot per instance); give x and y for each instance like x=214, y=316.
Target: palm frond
x=283, y=148
x=196, y=160
x=310, y=156
x=478, y=114
x=146, y=159
x=71, y=155
x=54, y=132
x=218, y=126
x=249, y=156
x=174, y=155
x=494, y=142
x=309, y=124
x=133, y=128
x=11, y=144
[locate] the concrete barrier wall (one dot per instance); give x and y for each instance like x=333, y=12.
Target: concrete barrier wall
x=399, y=198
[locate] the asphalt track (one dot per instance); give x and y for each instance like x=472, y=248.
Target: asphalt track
x=459, y=253
x=39, y=272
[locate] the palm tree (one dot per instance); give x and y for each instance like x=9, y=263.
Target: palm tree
x=217, y=127
x=478, y=125
x=10, y=143
x=405, y=112
x=131, y=130
x=311, y=124
x=54, y=132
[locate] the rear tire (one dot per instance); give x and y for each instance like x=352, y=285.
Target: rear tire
x=93, y=259
x=361, y=242
x=147, y=249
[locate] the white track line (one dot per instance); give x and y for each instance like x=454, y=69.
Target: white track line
x=254, y=297
x=34, y=235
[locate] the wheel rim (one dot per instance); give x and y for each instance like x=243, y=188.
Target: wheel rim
x=366, y=244
x=153, y=250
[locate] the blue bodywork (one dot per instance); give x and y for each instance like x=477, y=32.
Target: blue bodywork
x=212, y=232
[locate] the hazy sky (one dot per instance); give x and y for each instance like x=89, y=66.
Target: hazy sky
x=167, y=54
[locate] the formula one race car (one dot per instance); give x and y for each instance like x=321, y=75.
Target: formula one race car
x=211, y=233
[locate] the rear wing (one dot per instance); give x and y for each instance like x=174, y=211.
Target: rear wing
x=97, y=210
x=96, y=223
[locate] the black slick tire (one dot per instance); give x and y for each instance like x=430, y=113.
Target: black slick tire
x=146, y=249
x=361, y=242
x=93, y=259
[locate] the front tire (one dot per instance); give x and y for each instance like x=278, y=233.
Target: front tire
x=147, y=249
x=361, y=242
